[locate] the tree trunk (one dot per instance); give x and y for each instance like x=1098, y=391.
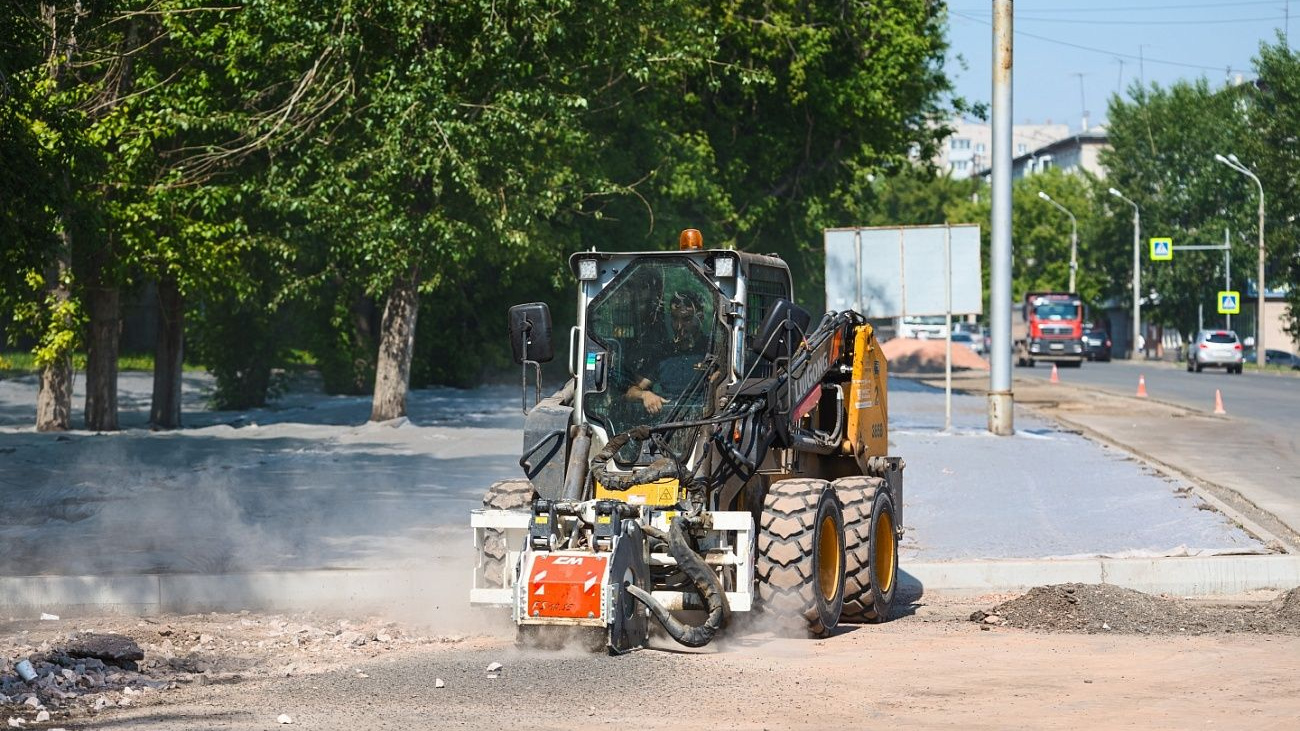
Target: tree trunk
x=396, y=345
x=169, y=355
x=101, y=357
x=54, y=401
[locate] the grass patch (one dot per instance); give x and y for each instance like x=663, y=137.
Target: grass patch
x=19, y=363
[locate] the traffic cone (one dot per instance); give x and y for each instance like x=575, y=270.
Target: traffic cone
x=1142, y=386
x=1055, y=378
x=1218, y=402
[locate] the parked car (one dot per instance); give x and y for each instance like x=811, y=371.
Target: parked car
x=1096, y=345
x=1215, y=349
x=1282, y=358
x=974, y=336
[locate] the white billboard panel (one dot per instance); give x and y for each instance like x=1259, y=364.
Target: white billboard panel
x=895, y=271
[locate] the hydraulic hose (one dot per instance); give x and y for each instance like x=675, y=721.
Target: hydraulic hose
x=657, y=470
x=706, y=582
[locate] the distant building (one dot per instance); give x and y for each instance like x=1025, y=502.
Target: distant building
x=969, y=150
x=1077, y=152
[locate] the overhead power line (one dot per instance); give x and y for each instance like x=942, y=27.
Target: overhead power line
x=1116, y=54
x=1141, y=8
x=1076, y=21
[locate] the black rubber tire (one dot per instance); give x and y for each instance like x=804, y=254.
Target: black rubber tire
x=503, y=495
x=870, y=549
x=800, y=561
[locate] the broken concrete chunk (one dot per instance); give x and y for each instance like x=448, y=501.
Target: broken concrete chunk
x=495, y=667
x=284, y=718
x=437, y=683
x=109, y=648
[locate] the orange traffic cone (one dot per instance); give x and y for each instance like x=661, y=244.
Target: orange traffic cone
x=1218, y=402
x=1055, y=378
x=1142, y=386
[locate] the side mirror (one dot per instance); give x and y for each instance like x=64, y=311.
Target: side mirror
x=783, y=327
x=530, y=333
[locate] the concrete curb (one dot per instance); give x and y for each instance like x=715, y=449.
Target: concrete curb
x=353, y=590
x=1183, y=576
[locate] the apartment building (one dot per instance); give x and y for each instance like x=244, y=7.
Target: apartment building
x=969, y=150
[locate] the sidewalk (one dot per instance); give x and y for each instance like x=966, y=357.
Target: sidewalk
x=307, y=504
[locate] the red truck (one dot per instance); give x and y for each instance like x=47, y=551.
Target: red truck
x=1048, y=326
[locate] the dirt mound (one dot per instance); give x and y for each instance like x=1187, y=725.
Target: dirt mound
x=1099, y=608
x=907, y=355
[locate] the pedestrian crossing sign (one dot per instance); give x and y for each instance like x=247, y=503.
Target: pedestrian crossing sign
x=1162, y=249
x=1229, y=303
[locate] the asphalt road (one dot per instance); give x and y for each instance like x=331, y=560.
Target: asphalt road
x=1270, y=399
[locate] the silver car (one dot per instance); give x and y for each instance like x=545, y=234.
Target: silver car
x=1215, y=349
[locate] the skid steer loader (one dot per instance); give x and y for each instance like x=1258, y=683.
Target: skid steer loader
x=714, y=449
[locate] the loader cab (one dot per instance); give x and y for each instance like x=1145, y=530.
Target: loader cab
x=678, y=324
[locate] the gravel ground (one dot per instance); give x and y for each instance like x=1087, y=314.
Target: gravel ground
x=87, y=665
x=93, y=670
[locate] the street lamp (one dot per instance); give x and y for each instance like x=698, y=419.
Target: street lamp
x=1074, y=236
x=1232, y=162
x=1137, y=271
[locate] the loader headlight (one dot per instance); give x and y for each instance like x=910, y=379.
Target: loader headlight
x=588, y=270
x=724, y=266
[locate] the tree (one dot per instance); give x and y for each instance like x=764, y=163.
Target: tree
x=781, y=133
x=1161, y=156
x=1275, y=117
x=465, y=128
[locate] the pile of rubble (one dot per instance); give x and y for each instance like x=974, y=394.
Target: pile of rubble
x=1105, y=608
x=50, y=674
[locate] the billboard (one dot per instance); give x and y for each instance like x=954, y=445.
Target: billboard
x=900, y=271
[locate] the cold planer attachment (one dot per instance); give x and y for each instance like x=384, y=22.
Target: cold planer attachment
x=585, y=588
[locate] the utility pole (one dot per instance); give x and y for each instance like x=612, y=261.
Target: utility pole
x=1074, y=237
x=1083, y=106
x=1137, y=270
x=1001, y=401
x=1232, y=162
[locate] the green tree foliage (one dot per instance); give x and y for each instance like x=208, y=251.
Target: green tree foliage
x=1276, y=121
x=332, y=154
x=1161, y=156
x=781, y=133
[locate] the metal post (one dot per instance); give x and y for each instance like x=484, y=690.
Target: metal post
x=1232, y=162
x=1074, y=237
x=1137, y=279
x=947, y=338
x=1259, y=285
x=1001, y=401
x=1227, y=273
x=1137, y=271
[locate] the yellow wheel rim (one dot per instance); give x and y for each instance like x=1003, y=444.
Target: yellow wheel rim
x=828, y=559
x=885, y=554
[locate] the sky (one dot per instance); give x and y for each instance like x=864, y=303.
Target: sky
x=1071, y=56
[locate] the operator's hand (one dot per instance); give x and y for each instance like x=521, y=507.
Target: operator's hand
x=652, y=401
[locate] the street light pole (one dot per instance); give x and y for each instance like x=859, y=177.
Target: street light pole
x=1137, y=270
x=1074, y=237
x=1232, y=162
